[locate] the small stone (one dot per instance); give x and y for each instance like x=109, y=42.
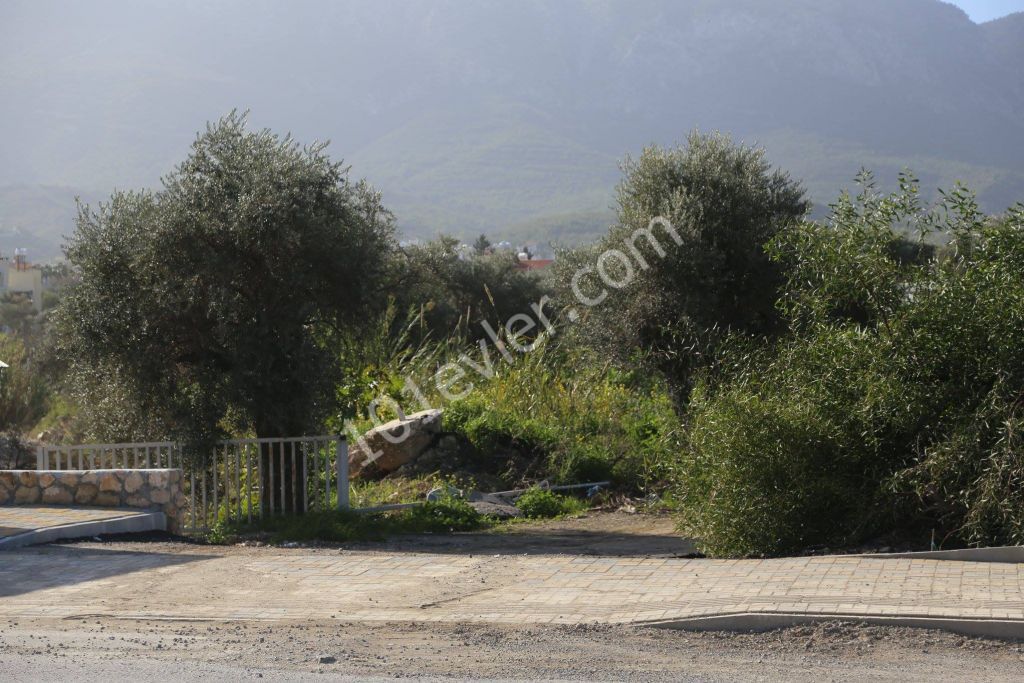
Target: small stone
x=133, y=482
x=5, y=495
x=158, y=478
x=86, y=493
x=57, y=495
x=69, y=479
x=138, y=502
x=46, y=479
x=160, y=496
x=327, y=659
x=26, y=495
x=110, y=483
x=7, y=480
x=28, y=479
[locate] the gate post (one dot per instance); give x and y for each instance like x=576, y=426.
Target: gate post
x=341, y=467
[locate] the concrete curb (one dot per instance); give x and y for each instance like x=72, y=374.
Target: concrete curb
x=768, y=621
x=134, y=523
x=1011, y=554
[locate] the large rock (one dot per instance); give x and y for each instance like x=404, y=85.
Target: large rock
x=86, y=493
x=28, y=495
x=57, y=495
x=386, y=448
x=110, y=483
x=133, y=482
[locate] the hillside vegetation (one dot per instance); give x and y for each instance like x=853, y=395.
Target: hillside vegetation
x=779, y=382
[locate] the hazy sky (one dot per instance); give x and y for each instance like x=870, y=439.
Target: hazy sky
x=984, y=10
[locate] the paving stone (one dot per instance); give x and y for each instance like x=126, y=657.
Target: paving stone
x=16, y=520
x=531, y=589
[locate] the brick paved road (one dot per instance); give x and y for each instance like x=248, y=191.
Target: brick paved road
x=194, y=582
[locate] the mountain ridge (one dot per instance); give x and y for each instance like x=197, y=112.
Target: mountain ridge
x=485, y=116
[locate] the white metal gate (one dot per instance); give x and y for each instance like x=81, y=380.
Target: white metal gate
x=232, y=483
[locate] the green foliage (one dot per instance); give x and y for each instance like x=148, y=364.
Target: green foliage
x=454, y=294
x=893, y=403
x=972, y=479
x=202, y=300
x=24, y=394
x=377, y=360
x=340, y=526
x=572, y=417
x=445, y=515
x=18, y=314
x=708, y=273
x=482, y=245
x=331, y=526
x=538, y=503
x=779, y=457
x=389, y=491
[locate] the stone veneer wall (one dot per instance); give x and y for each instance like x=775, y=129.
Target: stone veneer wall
x=144, y=489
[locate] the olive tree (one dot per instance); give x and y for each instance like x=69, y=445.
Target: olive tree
x=201, y=304
x=685, y=260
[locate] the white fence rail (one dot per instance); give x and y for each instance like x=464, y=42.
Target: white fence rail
x=241, y=480
x=110, y=456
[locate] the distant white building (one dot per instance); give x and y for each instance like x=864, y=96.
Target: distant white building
x=17, y=276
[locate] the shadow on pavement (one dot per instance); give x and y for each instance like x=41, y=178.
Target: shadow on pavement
x=540, y=542
x=53, y=566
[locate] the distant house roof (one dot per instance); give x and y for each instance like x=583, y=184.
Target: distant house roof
x=534, y=264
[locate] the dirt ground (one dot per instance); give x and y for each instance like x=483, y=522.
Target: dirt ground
x=596, y=533
x=114, y=649
x=111, y=650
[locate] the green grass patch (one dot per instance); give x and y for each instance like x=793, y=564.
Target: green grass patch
x=364, y=494
x=573, y=419
x=340, y=526
x=538, y=503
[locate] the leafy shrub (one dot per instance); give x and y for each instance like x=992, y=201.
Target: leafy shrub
x=24, y=395
x=451, y=293
x=538, y=503
x=972, y=481
x=779, y=457
x=894, y=403
x=15, y=454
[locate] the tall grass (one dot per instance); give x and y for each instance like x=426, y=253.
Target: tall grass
x=578, y=418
